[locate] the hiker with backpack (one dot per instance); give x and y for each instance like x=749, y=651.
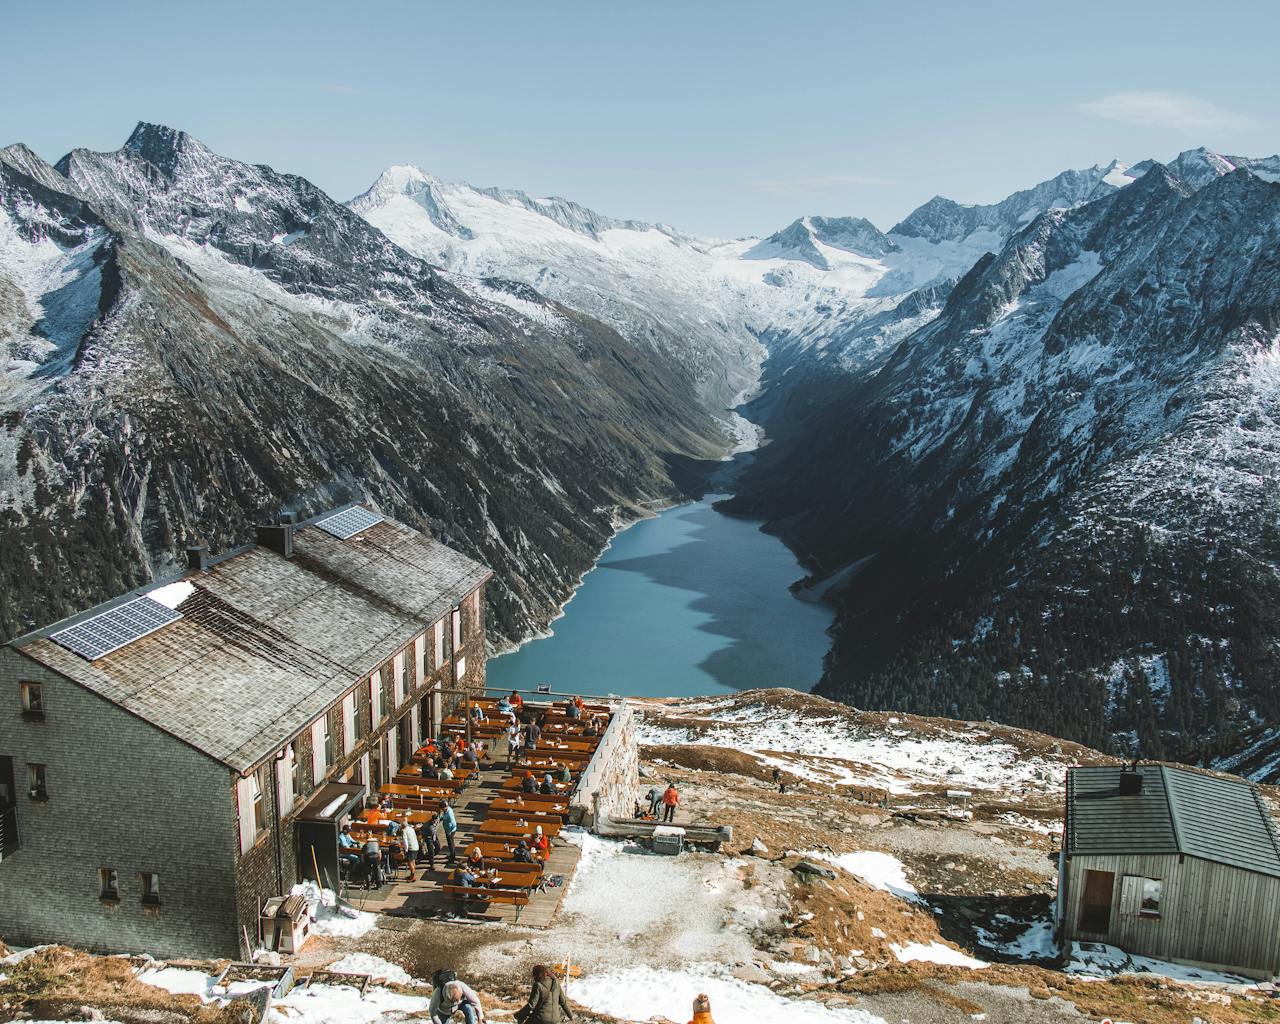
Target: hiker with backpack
x=546, y=1003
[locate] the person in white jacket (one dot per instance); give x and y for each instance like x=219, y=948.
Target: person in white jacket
x=452, y=998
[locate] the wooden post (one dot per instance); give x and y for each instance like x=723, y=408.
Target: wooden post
x=315, y=866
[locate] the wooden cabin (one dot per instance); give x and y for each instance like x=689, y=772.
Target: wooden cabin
x=1173, y=864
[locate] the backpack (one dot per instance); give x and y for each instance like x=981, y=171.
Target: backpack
x=442, y=977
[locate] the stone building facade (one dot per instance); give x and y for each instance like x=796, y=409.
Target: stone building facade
x=151, y=793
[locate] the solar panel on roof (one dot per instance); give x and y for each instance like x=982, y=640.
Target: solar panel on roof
x=98, y=636
x=346, y=524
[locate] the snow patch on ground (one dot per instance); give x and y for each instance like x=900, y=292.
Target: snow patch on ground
x=1096, y=959
x=327, y=919
x=642, y=993
x=374, y=966
x=878, y=870
x=936, y=953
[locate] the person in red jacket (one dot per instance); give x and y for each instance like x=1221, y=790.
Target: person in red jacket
x=669, y=801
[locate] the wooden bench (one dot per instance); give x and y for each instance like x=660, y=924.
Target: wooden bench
x=547, y=805
x=562, y=790
x=511, y=829
x=467, y=895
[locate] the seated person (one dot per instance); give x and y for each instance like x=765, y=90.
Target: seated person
x=548, y=787
x=591, y=729
x=475, y=860
x=517, y=701
x=541, y=844
x=477, y=713
x=466, y=877
x=472, y=757
x=503, y=705
x=445, y=772
x=522, y=854
x=573, y=712
x=528, y=784
x=348, y=849
x=565, y=775
x=431, y=770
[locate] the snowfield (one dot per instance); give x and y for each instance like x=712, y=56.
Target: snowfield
x=839, y=749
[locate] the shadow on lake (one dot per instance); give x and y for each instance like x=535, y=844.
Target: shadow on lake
x=689, y=602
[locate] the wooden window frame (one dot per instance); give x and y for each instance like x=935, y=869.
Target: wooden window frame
x=150, y=888
x=109, y=885
x=38, y=793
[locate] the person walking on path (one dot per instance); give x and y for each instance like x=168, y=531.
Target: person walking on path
x=546, y=1003
x=670, y=800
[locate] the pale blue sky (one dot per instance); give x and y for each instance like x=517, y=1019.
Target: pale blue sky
x=721, y=118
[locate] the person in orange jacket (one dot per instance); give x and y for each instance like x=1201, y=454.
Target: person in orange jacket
x=670, y=799
x=702, y=1010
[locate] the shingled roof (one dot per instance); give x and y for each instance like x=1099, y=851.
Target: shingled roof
x=266, y=643
x=1178, y=811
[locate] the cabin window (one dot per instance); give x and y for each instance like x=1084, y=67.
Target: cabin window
x=151, y=888
x=385, y=701
x=1152, y=896
x=462, y=667
x=37, y=784
x=32, y=697
x=295, y=777
x=457, y=629
x=108, y=884
x=439, y=643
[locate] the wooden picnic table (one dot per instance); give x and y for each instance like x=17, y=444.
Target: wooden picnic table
x=495, y=846
x=566, y=746
x=526, y=814
x=492, y=827
x=547, y=805
x=374, y=817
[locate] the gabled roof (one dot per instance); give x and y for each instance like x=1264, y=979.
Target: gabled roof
x=266, y=643
x=1178, y=811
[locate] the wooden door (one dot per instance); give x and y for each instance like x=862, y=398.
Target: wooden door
x=8, y=808
x=1095, y=904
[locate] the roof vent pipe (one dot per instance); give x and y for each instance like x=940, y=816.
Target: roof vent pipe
x=278, y=538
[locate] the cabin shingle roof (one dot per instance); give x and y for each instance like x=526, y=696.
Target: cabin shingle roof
x=266, y=643
x=1177, y=811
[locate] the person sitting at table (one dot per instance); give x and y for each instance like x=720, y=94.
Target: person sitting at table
x=517, y=701
x=522, y=854
x=541, y=844
x=571, y=709
x=431, y=770
x=351, y=858
x=548, y=787
x=565, y=775
x=475, y=860
x=472, y=757
x=528, y=784
x=444, y=772
x=477, y=713
x=464, y=876
x=590, y=729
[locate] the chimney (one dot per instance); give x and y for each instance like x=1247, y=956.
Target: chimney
x=1130, y=780
x=278, y=538
x=198, y=557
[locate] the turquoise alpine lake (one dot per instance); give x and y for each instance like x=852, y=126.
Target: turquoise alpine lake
x=688, y=602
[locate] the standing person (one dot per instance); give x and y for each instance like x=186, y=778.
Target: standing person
x=429, y=842
x=412, y=847
x=546, y=1003
x=515, y=740
x=452, y=998
x=532, y=733
x=449, y=823
x=670, y=800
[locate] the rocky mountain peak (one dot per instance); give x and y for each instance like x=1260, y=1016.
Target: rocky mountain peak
x=163, y=147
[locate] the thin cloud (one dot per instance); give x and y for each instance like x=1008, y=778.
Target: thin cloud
x=816, y=185
x=1166, y=110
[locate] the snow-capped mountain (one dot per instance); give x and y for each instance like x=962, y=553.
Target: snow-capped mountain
x=189, y=343
x=1058, y=488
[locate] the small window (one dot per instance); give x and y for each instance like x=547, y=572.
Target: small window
x=260, y=783
x=385, y=701
x=150, y=888
x=37, y=786
x=462, y=667
x=32, y=700
x=332, y=730
x=108, y=884
x=295, y=780
x=1152, y=895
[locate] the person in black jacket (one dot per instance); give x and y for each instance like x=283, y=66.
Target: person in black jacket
x=547, y=1003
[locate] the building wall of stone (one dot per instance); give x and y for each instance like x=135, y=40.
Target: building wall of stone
x=123, y=795
x=611, y=782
